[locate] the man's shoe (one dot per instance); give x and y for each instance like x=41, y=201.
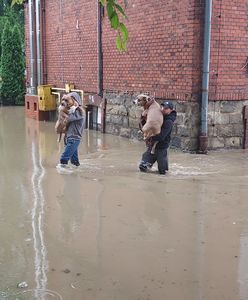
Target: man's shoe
x=61, y=165
x=162, y=172
x=142, y=168
x=63, y=169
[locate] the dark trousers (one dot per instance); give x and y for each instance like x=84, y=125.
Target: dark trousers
x=149, y=159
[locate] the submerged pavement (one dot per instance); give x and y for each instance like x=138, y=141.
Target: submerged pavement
x=105, y=231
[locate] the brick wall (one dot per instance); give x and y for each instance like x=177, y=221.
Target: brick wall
x=32, y=110
x=228, y=78
x=164, y=58
x=164, y=52
x=70, y=43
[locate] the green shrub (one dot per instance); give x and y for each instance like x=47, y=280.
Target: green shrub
x=2, y=22
x=12, y=67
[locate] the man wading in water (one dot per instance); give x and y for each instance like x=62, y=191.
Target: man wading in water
x=163, y=139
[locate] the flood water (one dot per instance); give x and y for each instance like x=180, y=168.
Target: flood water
x=105, y=231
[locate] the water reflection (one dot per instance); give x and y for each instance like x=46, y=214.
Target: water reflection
x=41, y=263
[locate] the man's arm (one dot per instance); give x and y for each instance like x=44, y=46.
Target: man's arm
x=75, y=116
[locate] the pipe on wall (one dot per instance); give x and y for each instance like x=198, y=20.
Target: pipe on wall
x=203, y=138
x=54, y=89
x=100, y=63
x=58, y=98
x=43, y=40
x=33, y=75
x=39, y=42
x=99, y=50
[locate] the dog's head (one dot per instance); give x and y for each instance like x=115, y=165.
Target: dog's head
x=66, y=103
x=142, y=100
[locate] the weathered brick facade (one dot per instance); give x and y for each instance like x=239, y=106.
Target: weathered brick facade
x=70, y=43
x=228, y=75
x=164, y=58
x=165, y=49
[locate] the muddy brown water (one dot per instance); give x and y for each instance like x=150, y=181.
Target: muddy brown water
x=105, y=231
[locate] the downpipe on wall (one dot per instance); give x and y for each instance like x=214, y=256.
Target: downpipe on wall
x=203, y=137
x=39, y=42
x=35, y=40
x=33, y=74
x=99, y=50
x=100, y=64
x=43, y=41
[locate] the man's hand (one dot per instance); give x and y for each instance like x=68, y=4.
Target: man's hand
x=149, y=142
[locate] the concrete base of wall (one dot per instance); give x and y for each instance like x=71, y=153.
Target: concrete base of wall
x=225, y=119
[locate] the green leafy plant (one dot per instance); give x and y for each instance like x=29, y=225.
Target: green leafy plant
x=114, y=11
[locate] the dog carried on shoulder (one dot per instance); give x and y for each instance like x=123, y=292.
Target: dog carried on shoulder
x=65, y=108
x=151, y=119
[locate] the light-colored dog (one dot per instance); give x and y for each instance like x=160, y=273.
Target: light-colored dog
x=152, y=115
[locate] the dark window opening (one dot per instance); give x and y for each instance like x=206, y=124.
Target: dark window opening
x=93, y=117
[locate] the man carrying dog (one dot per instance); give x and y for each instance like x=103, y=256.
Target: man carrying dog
x=163, y=139
x=74, y=129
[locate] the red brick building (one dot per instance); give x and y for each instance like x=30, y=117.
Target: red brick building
x=164, y=58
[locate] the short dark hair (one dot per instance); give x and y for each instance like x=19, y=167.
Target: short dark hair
x=167, y=104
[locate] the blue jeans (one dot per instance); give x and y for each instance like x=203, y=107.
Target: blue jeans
x=70, y=152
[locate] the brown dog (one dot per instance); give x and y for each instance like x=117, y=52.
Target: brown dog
x=63, y=113
x=152, y=114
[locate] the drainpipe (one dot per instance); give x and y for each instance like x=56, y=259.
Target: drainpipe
x=43, y=41
x=39, y=43
x=99, y=50
x=100, y=64
x=203, y=138
x=33, y=81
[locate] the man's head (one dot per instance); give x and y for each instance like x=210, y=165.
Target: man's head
x=167, y=107
x=75, y=97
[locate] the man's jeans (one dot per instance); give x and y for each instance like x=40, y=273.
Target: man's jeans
x=70, y=152
x=149, y=159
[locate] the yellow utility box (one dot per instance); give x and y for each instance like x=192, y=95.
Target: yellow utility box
x=47, y=100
